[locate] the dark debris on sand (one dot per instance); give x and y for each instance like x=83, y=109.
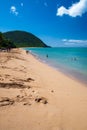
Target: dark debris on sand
x=13, y=85
x=41, y=100
x=25, y=100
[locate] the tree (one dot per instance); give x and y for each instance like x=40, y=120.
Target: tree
x=5, y=43
x=1, y=37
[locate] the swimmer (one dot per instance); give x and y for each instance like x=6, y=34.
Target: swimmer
x=47, y=55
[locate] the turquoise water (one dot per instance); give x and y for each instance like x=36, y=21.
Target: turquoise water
x=72, y=61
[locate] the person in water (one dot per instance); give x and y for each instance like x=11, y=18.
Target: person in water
x=47, y=55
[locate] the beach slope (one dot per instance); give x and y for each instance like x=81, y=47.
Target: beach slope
x=34, y=96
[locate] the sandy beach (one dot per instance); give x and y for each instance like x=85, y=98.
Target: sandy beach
x=34, y=96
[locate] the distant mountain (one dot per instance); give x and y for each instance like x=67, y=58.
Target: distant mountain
x=24, y=39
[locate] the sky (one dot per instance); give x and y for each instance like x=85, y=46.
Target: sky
x=56, y=22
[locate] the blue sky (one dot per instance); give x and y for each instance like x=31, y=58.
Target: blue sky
x=56, y=22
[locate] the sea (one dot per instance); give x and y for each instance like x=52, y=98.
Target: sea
x=71, y=61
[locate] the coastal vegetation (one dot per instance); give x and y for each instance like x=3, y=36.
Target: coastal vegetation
x=6, y=43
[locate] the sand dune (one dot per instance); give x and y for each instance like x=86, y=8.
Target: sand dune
x=34, y=96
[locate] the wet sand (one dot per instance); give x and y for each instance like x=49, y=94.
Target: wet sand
x=34, y=96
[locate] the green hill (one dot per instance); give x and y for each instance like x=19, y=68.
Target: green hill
x=24, y=39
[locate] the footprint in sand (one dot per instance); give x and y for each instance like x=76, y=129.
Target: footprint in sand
x=4, y=101
x=1, y=79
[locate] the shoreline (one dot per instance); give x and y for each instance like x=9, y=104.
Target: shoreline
x=35, y=96
x=74, y=76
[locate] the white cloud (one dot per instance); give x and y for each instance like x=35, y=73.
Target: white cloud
x=64, y=40
x=77, y=41
x=22, y=4
x=77, y=9
x=74, y=42
x=13, y=10
x=62, y=10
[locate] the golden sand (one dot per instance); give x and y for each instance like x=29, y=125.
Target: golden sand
x=34, y=96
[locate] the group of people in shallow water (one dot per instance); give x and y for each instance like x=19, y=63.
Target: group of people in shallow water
x=73, y=59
